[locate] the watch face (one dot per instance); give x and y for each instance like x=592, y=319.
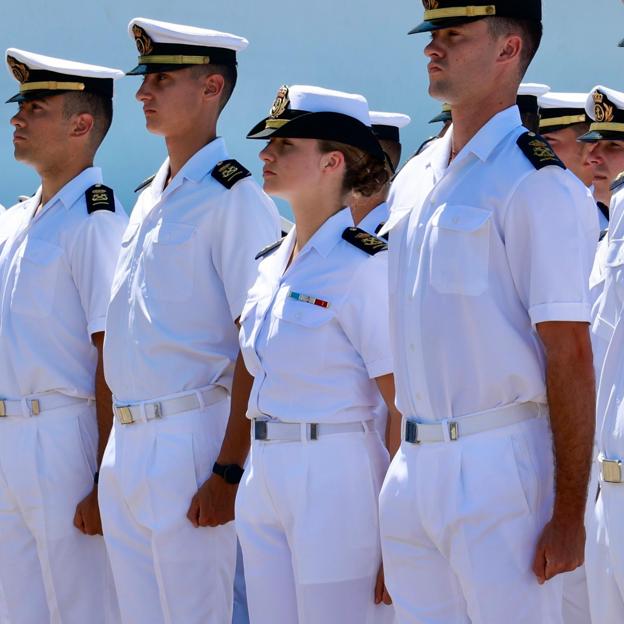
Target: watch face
x=232, y=474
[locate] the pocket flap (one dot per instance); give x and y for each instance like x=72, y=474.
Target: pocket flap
x=461, y=218
x=302, y=313
x=174, y=233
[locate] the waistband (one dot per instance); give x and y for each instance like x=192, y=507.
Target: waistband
x=279, y=431
x=37, y=404
x=451, y=430
x=163, y=407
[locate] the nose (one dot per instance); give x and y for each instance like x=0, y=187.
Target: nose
x=144, y=93
x=595, y=155
x=266, y=155
x=433, y=49
x=17, y=121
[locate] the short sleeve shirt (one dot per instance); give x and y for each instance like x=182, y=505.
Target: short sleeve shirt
x=56, y=270
x=187, y=261
x=315, y=335
x=376, y=218
x=481, y=251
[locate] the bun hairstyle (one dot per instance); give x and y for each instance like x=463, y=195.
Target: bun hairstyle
x=364, y=173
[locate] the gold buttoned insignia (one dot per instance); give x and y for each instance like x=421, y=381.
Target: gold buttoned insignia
x=602, y=111
x=20, y=71
x=143, y=41
x=431, y=5
x=281, y=102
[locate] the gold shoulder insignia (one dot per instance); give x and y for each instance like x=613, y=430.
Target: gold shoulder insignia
x=145, y=183
x=269, y=249
x=538, y=151
x=618, y=182
x=100, y=197
x=368, y=243
x=229, y=172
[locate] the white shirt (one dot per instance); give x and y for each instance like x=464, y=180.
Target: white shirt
x=376, y=217
x=481, y=251
x=56, y=271
x=317, y=361
x=186, y=264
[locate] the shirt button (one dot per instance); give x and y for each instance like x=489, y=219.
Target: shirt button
x=412, y=347
x=418, y=396
x=455, y=220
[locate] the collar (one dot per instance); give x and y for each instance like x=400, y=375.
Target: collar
x=195, y=169
x=330, y=233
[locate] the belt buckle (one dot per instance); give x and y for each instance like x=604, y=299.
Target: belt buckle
x=35, y=407
x=411, y=432
x=453, y=428
x=313, y=431
x=2, y=408
x=611, y=470
x=125, y=414
x=260, y=430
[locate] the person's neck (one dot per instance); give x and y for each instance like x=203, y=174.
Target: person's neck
x=361, y=206
x=470, y=116
x=310, y=213
x=181, y=149
x=55, y=177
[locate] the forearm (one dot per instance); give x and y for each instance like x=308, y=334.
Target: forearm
x=236, y=442
x=103, y=400
x=393, y=431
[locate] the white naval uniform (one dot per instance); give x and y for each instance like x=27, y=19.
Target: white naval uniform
x=481, y=251
x=306, y=510
x=604, y=574
x=55, y=276
x=186, y=264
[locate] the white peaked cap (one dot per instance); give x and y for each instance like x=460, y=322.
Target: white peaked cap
x=320, y=100
x=554, y=99
x=395, y=120
x=615, y=97
x=533, y=88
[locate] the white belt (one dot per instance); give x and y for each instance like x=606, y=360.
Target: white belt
x=36, y=404
x=610, y=470
x=452, y=429
x=278, y=431
x=151, y=410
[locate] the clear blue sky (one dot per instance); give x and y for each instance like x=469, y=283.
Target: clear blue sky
x=352, y=45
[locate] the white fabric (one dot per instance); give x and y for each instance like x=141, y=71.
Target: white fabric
x=186, y=264
x=556, y=99
x=458, y=543
x=483, y=249
x=533, y=88
x=615, y=97
x=55, y=276
x=320, y=100
x=376, y=217
x=309, y=534
x=166, y=571
x=394, y=120
x=166, y=32
x=62, y=66
x=50, y=571
x=323, y=356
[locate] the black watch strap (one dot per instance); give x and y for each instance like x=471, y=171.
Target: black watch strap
x=230, y=473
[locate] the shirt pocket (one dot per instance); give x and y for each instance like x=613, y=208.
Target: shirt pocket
x=170, y=263
x=460, y=250
x=35, y=285
x=614, y=263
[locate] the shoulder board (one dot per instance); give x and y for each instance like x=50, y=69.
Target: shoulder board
x=364, y=241
x=379, y=228
x=100, y=197
x=602, y=235
x=618, y=182
x=423, y=146
x=145, y=183
x=22, y=198
x=229, y=172
x=538, y=151
x=268, y=249
x=604, y=209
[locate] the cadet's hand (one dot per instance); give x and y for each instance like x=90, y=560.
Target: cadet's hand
x=381, y=593
x=87, y=516
x=213, y=504
x=561, y=548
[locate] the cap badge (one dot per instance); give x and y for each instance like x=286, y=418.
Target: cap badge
x=602, y=111
x=431, y=5
x=143, y=41
x=20, y=71
x=281, y=102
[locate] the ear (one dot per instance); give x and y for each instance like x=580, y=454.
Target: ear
x=332, y=161
x=512, y=48
x=213, y=86
x=81, y=124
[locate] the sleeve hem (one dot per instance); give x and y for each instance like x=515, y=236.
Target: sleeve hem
x=379, y=368
x=96, y=325
x=570, y=312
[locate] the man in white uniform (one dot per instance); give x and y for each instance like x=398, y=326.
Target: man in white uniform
x=186, y=264
x=527, y=101
x=489, y=309
x=57, y=257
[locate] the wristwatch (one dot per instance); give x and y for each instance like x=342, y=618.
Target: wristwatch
x=231, y=473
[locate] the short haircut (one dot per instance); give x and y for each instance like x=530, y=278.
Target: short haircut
x=99, y=106
x=529, y=30
x=230, y=76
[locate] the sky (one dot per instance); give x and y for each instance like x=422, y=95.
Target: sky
x=351, y=45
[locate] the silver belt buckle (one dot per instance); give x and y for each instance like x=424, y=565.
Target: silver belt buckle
x=260, y=430
x=611, y=470
x=411, y=432
x=125, y=414
x=453, y=428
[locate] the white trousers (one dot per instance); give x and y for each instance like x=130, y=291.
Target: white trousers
x=605, y=556
x=49, y=571
x=166, y=571
x=306, y=516
x=459, y=526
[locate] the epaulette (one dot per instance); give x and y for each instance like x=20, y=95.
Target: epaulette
x=538, y=151
x=100, y=197
x=22, y=198
x=602, y=235
x=364, y=241
x=604, y=209
x=229, y=172
x=269, y=248
x=618, y=182
x=145, y=183
x=379, y=228
x=424, y=145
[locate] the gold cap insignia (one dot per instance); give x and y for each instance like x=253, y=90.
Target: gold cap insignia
x=431, y=5
x=20, y=71
x=603, y=112
x=143, y=41
x=281, y=102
